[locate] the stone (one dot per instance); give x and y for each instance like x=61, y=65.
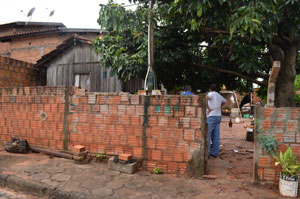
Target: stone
x=40, y=176
x=102, y=192
x=125, y=168
x=210, y=176
x=61, y=177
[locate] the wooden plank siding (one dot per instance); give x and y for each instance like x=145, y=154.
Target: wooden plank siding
x=81, y=59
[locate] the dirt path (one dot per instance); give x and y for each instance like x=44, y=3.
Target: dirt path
x=234, y=166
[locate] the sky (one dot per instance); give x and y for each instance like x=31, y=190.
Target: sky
x=72, y=13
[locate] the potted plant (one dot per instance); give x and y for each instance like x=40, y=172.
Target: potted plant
x=290, y=168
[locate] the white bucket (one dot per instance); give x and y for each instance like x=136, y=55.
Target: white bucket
x=288, y=188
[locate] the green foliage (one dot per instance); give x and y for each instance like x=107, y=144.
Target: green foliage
x=297, y=82
x=192, y=36
x=289, y=165
x=100, y=155
x=268, y=143
x=297, y=100
x=157, y=170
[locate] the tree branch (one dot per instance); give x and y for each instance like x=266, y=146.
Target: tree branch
x=278, y=42
x=233, y=73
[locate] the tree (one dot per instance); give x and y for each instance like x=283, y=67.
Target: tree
x=201, y=41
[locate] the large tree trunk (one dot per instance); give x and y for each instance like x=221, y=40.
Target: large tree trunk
x=284, y=91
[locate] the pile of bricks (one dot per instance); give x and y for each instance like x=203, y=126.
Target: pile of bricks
x=81, y=156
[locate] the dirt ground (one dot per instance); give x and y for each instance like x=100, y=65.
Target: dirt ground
x=234, y=166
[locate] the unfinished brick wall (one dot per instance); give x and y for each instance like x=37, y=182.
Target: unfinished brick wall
x=167, y=131
x=16, y=73
x=33, y=113
x=283, y=124
x=115, y=124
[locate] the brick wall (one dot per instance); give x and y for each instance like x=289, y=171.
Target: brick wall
x=283, y=124
x=17, y=73
x=115, y=124
x=165, y=130
x=33, y=113
x=32, y=48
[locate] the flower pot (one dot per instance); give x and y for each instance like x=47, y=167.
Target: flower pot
x=288, y=187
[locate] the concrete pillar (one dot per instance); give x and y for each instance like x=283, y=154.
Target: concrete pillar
x=271, y=83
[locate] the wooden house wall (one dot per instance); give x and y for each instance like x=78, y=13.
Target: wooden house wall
x=81, y=59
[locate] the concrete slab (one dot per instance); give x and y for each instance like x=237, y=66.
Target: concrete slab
x=125, y=168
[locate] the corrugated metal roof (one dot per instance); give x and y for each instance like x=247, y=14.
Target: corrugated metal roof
x=68, y=43
x=39, y=32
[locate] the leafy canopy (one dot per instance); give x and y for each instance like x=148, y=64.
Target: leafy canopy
x=197, y=42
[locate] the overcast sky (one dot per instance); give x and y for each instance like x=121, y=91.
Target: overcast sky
x=72, y=13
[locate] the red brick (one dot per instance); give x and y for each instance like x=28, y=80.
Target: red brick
x=134, y=120
x=161, y=143
x=178, y=156
x=152, y=121
x=134, y=99
x=189, y=134
x=156, y=155
x=190, y=111
x=292, y=125
x=78, y=148
x=167, y=156
x=162, y=121
x=174, y=101
x=266, y=124
x=137, y=152
x=125, y=156
x=114, y=100
x=185, y=122
x=151, y=143
x=172, y=167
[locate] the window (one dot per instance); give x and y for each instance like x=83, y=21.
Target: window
x=82, y=81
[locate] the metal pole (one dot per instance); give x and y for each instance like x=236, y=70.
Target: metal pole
x=151, y=78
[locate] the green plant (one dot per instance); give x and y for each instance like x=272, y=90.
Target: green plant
x=100, y=157
x=290, y=166
x=157, y=170
x=269, y=144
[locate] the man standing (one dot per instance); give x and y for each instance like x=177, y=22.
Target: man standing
x=214, y=104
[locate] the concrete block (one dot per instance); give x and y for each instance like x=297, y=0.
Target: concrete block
x=125, y=168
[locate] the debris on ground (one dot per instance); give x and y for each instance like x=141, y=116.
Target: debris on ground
x=17, y=145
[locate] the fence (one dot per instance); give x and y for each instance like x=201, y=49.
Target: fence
x=166, y=131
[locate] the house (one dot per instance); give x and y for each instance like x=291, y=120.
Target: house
x=74, y=62
x=30, y=41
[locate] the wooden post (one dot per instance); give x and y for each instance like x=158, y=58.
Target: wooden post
x=272, y=83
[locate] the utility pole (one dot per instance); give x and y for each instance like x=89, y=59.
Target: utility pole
x=150, y=73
